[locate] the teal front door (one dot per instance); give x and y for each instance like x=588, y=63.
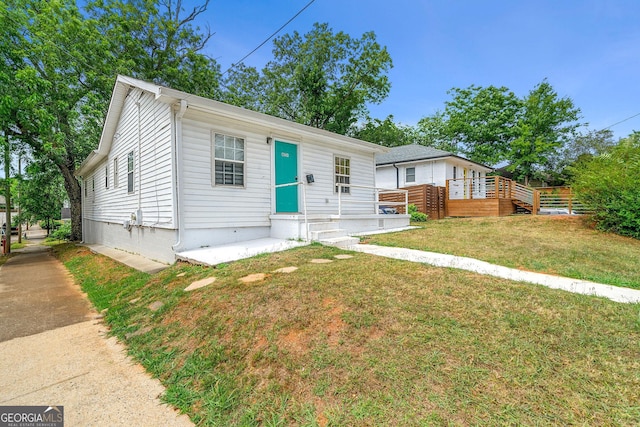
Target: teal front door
x=286, y=164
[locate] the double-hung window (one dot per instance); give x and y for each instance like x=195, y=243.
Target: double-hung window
x=342, y=173
x=115, y=172
x=410, y=175
x=130, y=166
x=228, y=153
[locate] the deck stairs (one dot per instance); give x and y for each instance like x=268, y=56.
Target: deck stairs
x=523, y=197
x=329, y=234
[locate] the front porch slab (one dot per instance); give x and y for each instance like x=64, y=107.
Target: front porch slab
x=215, y=255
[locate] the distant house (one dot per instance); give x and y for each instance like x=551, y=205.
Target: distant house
x=415, y=164
x=174, y=172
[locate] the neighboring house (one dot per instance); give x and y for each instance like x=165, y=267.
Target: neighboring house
x=174, y=171
x=415, y=164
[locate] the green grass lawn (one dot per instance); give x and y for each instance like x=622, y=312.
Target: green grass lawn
x=370, y=341
x=561, y=245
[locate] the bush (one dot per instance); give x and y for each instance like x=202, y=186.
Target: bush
x=415, y=215
x=63, y=232
x=609, y=185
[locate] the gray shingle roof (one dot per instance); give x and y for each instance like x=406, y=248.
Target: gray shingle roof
x=412, y=152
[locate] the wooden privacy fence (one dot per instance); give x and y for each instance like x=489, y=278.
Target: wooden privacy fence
x=427, y=198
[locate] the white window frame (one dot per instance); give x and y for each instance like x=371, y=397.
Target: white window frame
x=407, y=175
x=115, y=172
x=131, y=167
x=228, y=160
x=342, y=173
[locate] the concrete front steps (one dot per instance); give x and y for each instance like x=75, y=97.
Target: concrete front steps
x=327, y=234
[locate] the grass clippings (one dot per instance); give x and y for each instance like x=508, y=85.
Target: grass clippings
x=370, y=341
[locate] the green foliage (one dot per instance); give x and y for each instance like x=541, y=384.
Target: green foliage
x=41, y=192
x=491, y=124
x=609, y=184
x=482, y=121
x=59, y=62
x=416, y=216
x=545, y=124
x=321, y=79
x=63, y=232
x=384, y=132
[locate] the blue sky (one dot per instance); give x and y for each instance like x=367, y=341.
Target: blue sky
x=588, y=50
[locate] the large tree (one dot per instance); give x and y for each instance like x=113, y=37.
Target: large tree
x=546, y=123
x=492, y=125
x=322, y=79
x=384, y=132
x=62, y=64
x=481, y=122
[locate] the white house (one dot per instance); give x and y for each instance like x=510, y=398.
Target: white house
x=174, y=171
x=415, y=164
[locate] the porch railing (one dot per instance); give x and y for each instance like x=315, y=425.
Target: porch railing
x=375, y=202
x=560, y=200
x=304, y=203
x=493, y=187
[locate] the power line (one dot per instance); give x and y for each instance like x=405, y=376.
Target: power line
x=621, y=121
x=268, y=38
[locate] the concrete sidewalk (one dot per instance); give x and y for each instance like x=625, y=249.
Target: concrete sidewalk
x=132, y=260
x=51, y=354
x=585, y=287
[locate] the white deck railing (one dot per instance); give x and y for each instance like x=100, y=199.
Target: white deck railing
x=375, y=202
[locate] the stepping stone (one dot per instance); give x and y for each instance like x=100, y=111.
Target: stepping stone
x=181, y=274
x=343, y=256
x=155, y=306
x=286, y=270
x=253, y=278
x=135, y=300
x=139, y=332
x=200, y=284
x=320, y=261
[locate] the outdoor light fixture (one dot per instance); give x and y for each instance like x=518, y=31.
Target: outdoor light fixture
x=269, y=139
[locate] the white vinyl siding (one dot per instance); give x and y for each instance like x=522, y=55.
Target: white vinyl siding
x=204, y=205
x=153, y=183
x=318, y=159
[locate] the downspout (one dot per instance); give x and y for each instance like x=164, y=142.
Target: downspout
x=397, y=176
x=139, y=211
x=178, y=170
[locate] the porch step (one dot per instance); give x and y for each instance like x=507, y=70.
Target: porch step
x=326, y=234
x=321, y=226
x=341, y=242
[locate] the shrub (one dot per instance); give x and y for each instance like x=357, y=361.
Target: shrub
x=609, y=185
x=415, y=215
x=63, y=232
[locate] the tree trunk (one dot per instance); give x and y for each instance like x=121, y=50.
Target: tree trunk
x=74, y=192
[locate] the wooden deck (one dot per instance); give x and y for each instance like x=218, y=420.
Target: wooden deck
x=480, y=207
x=498, y=196
x=489, y=196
